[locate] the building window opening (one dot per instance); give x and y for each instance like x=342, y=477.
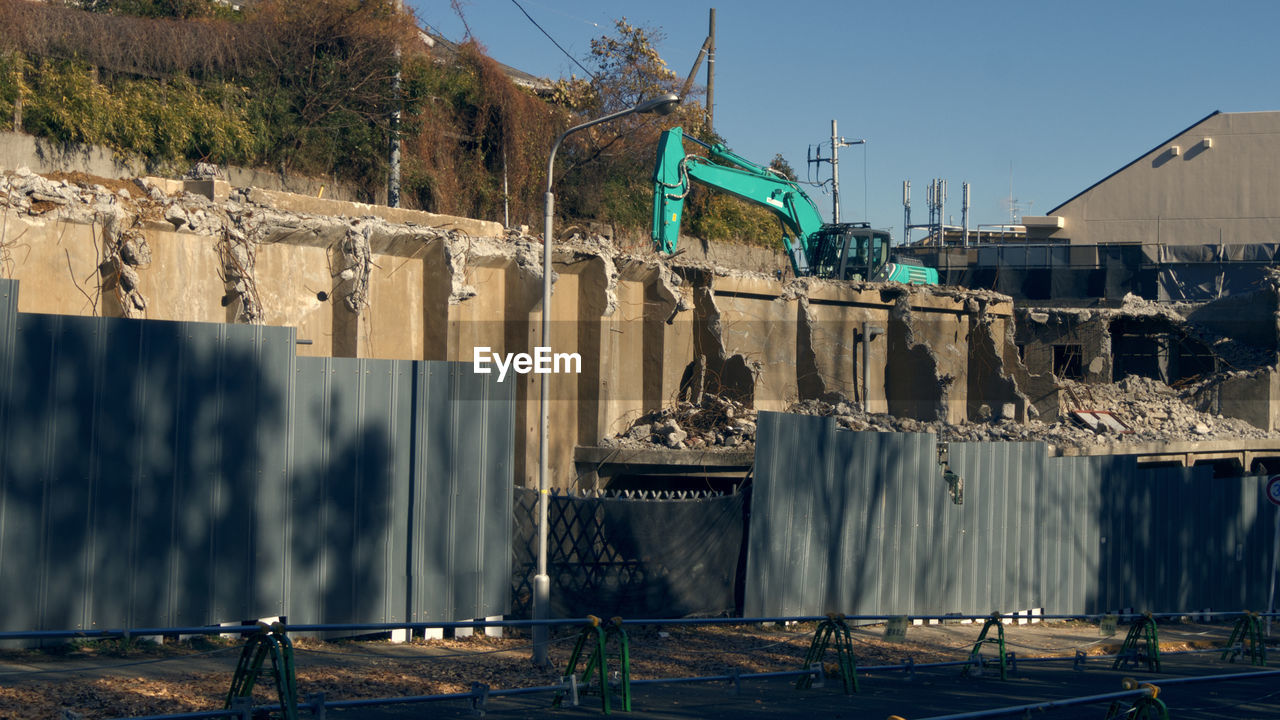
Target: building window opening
x=1067, y=363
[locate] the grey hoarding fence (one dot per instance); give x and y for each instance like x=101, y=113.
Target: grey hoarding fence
x=175, y=474
x=864, y=523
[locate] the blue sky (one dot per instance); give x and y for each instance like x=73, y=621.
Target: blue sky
x=1063, y=93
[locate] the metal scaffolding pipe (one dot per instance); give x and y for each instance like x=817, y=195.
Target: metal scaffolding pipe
x=1085, y=699
x=1047, y=705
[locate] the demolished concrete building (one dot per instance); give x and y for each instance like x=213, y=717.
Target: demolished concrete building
x=373, y=282
x=365, y=281
x=1161, y=270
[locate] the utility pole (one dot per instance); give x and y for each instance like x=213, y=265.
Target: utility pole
x=835, y=172
x=711, y=71
x=906, y=212
x=393, y=159
x=837, y=142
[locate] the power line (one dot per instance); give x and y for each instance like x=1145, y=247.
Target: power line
x=553, y=40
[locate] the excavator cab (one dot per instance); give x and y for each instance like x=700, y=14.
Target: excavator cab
x=849, y=251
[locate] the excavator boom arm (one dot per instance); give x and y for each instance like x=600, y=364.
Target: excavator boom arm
x=675, y=171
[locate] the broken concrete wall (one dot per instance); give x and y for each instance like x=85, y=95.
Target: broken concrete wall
x=767, y=261
x=1250, y=318
x=746, y=332
x=1075, y=344
x=1043, y=391
x=647, y=327
x=841, y=346
x=358, y=285
x=1250, y=396
x=915, y=386
x=993, y=391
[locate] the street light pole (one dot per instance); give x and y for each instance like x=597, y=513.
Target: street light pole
x=542, y=582
x=393, y=160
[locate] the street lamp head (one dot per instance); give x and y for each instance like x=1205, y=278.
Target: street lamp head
x=661, y=105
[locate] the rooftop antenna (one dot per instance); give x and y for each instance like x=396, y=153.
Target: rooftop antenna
x=1016, y=206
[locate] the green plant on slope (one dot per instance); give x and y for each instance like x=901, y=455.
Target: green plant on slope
x=163, y=123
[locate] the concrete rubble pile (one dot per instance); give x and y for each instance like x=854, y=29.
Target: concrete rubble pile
x=1153, y=412
x=712, y=422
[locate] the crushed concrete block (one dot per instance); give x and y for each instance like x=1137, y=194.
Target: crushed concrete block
x=136, y=251
x=176, y=215
x=46, y=197
x=215, y=190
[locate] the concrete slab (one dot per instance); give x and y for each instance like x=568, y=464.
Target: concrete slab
x=292, y=202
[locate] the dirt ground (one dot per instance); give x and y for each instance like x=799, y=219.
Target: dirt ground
x=108, y=680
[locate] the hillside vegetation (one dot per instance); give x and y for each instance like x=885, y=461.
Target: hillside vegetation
x=309, y=87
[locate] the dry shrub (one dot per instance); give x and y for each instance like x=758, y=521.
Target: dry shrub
x=139, y=46
x=475, y=122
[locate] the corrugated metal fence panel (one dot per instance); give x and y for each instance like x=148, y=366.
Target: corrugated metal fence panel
x=171, y=474
x=837, y=520
x=861, y=531
x=8, y=321
x=497, y=429
x=792, y=454
x=462, y=496
x=1068, y=534
x=898, y=459
x=1002, y=509
x=482, y=495
x=100, y=482
x=350, y=493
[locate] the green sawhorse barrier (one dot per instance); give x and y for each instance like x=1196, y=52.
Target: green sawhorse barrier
x=1247, y=636
x=833, y=629
x=975, y=656
x=268, y=641
x=1141, y=645
x=598, y=661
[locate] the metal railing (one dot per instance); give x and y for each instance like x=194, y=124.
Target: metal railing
x=480, y=693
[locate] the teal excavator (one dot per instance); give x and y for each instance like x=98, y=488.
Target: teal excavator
x=843, y=251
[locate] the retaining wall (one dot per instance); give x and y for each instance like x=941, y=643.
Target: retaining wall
x=366, y=282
